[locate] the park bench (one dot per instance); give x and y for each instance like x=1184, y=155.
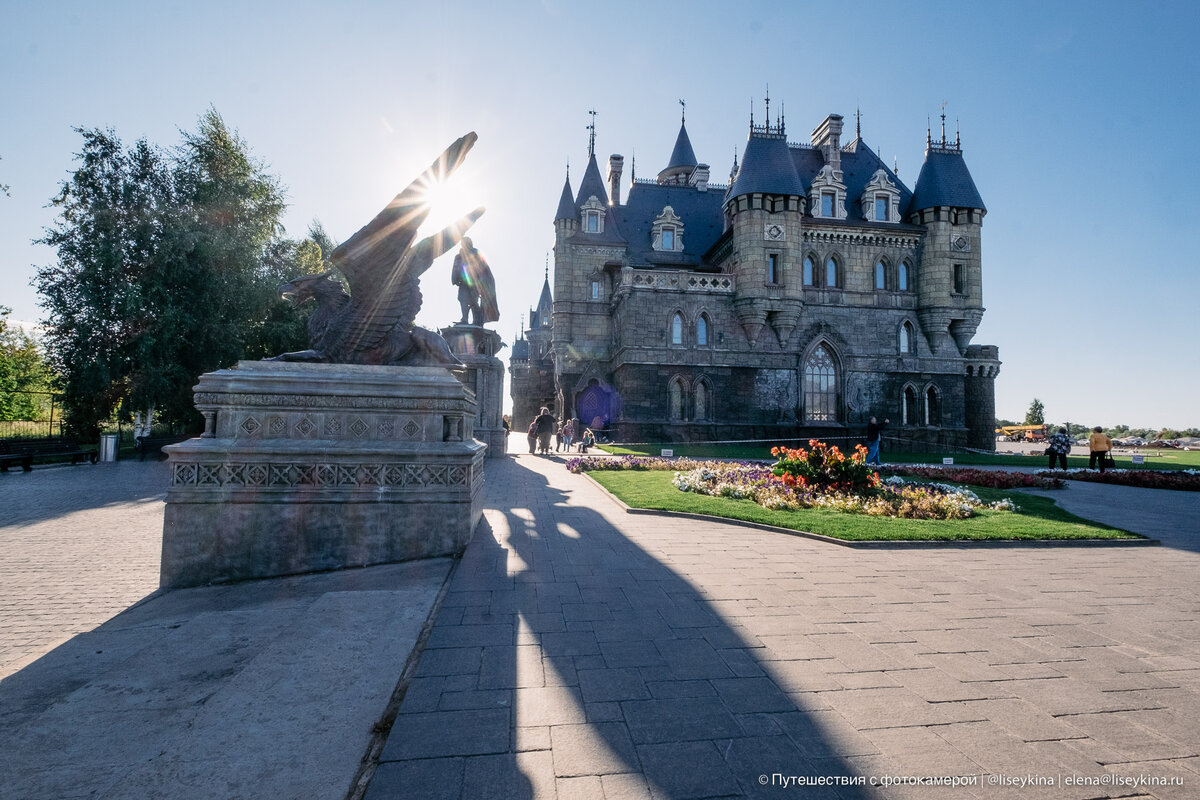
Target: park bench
x=26, y=451
x=154, y=444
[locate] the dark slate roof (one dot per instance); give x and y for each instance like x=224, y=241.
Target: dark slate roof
x=682, y=155
x=545, y=303
x=767, y=167
x=520, y=349
x=566, y=205
x=859, y=164
x=700, y=212
x=945, y=181
x=610, y=235
x=592, y=185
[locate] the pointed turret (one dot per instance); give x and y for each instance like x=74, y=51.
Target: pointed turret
x=767, y=168
x=566, y=203
x=945, y=181
x=592, y=184
x=683, y=160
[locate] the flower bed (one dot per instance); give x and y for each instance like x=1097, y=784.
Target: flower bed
x=1187, y=480
x=987, y=478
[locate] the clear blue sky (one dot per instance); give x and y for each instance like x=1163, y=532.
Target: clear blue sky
x=1079, y=123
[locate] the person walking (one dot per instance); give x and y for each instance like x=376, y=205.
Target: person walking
x=1060, y=445
x=874, y=429
x=532, y=436
x=569, y=433
x=546, y=426
x=1100, y=447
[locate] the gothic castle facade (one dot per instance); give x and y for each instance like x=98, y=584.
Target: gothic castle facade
x=812, y=292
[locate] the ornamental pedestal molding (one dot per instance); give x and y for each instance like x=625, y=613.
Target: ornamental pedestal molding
x=483, y=374
x=311, y=467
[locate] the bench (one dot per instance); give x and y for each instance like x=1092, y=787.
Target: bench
x=25, y=451
x=154, y=444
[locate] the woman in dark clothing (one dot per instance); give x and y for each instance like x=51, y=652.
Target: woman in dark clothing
x=546, y=426
x=1060, y=445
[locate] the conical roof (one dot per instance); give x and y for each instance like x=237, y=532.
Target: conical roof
x=767, y=168
x=682, y=155
x=592, y=185
x=945, y=181
x=566, y=205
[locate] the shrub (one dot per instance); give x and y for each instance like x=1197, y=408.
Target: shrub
x=825, y=469
x=1187, y=480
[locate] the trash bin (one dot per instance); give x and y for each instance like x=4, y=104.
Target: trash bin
x=108, y=446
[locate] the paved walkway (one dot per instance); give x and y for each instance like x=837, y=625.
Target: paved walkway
x=583, y=652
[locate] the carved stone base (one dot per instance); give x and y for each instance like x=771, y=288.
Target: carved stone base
x=483, y=374
x=308, y=467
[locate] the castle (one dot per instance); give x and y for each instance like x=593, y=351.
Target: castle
x=811, y=293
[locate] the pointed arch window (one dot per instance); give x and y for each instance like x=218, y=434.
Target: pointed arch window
x=832, y=273
x=907, y=338
x=702, y=401
x=820, y=386
x=933, y=406
x=902, y=277
x=677, y=328
x=675, y=400
x=702, y=330
x=810, y=271
x=908, y=406
x=880, y=274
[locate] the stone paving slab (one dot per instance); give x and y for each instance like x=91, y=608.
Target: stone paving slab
x=683, y=658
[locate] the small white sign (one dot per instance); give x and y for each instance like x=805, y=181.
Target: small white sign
x=1139, y=459
x=947, y=460
x=668, y=453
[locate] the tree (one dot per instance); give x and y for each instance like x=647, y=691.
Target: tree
x=1036, y=415
x=24, y=374
x=168, y=263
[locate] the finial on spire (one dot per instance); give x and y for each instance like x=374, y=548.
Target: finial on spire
x=928, y=132
x=782, y=117
x=943, y=122
x=858, y=122
x=683, y=111
x=568, y=169
x=752, y=114
x=592, y=134
x=768, y=115
x=957, y=139
x=633, y=170
x=547, y=265
x=895, y=167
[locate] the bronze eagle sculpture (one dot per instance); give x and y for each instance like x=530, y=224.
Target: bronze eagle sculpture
x=373, y=324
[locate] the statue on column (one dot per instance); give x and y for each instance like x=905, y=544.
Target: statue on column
x=476, y=287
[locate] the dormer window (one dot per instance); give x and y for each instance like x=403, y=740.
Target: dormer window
x=592, y=215
x=827, y=194
x=667, y=232
x=881, y=199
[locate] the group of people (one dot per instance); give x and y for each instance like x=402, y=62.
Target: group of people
x=1099, y=449
x=564, y=432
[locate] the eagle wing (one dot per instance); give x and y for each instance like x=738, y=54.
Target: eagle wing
x=380, y=263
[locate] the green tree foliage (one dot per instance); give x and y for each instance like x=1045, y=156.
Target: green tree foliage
x=1036, y=415
x=168, y=264
x=23, y=371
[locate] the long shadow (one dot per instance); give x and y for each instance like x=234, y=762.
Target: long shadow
x=564, y=651
x=49, y=492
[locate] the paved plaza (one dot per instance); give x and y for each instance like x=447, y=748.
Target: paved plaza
x=579, y=652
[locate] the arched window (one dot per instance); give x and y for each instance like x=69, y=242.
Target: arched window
x=902, y=277
x=831, y=273
x=820, y=386
x=907, y=339
x=810, y=270
x=702, y=330
x=677, y=328
x=675, y=399
x=880, y=274
x=933, y=407
x=701, y=402
x=909, y=406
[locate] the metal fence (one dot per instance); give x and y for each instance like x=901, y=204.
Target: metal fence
x=30, y=415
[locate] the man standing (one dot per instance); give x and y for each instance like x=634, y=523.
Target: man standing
x=873, y=438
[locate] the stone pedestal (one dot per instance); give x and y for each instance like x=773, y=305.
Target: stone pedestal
x=477, y=347
x=309, y=467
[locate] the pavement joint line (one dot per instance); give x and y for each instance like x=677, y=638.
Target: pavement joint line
x=383, y=727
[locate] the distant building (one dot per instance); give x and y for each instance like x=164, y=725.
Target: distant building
x=811, y=293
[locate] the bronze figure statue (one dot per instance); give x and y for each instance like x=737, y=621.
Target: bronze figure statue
x=373, y=324
x=476, y=287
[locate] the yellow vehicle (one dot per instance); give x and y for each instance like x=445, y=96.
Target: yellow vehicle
x=1024, y=433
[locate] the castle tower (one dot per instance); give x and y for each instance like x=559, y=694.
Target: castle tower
x=950, y=285
x=765, y=206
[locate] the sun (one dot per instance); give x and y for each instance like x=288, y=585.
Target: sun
x=450, y=199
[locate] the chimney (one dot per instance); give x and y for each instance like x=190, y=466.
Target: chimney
x=827, y=136
x=615, y=164
x=700, y=177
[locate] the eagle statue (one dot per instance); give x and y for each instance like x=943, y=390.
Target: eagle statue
x=373, y=324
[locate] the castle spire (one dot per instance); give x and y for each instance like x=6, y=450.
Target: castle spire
x=858, y=122
x=683, y=111
x=592, y=133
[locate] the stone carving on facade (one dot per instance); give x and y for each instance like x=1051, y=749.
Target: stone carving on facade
x=667, y=220
x=828, y=180
x=880, y=184
x=373, y=324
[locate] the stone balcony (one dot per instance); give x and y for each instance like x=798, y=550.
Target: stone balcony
x=676, y=280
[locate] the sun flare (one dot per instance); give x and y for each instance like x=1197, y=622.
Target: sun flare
x=448, y=200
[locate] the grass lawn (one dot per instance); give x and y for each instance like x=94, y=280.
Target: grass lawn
x=1170, y=459
x=1039, y=517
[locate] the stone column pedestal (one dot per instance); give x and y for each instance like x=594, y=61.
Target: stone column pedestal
x=310, y=467
x=477, y=347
